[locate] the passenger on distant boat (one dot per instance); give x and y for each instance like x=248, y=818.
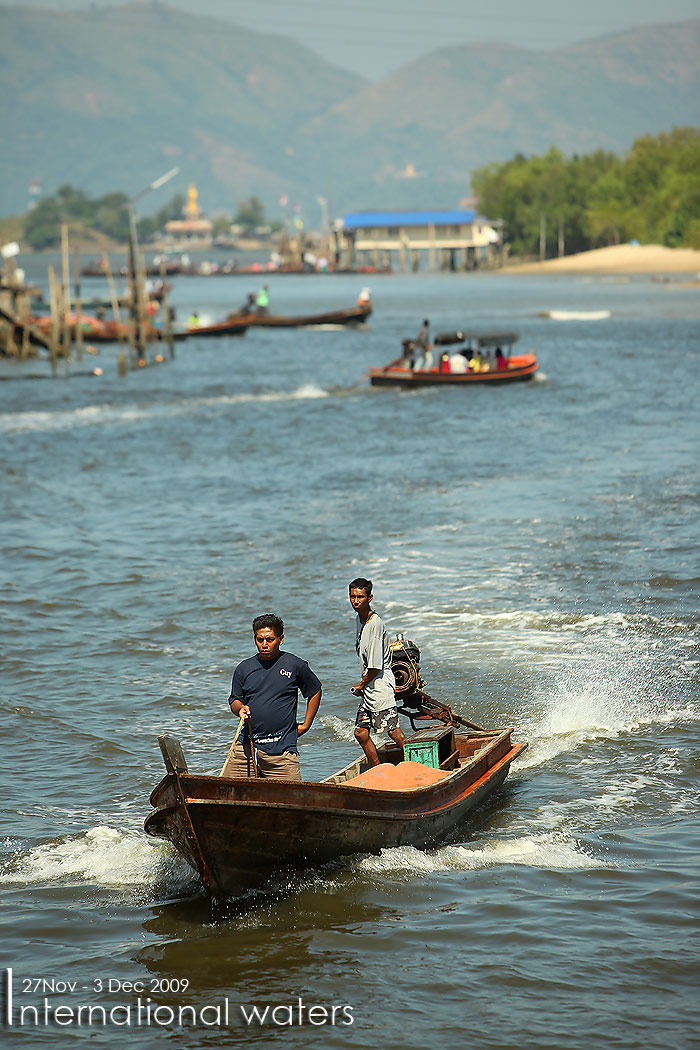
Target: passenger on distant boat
x=377, y=687
x=364, y=297
x=501, y=359
x=409, y=354
x=423, y=337
x=193, y=321
x=426, y=361
x=445, y=365
x=477, y=363
x=263, y=301
x=265, y=691
x=249, y=305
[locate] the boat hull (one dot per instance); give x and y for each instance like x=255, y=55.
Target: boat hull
x=353, y=317
x=223, y=328
x=239, y=833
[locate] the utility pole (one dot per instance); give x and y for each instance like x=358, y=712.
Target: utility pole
x=543, y=236
x=137, y=291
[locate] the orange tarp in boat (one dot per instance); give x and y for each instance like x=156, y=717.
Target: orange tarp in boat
x=402, y=777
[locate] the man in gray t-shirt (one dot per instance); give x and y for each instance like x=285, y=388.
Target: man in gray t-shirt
x=377, y=687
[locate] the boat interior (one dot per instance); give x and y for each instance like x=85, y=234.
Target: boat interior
x=431, y=755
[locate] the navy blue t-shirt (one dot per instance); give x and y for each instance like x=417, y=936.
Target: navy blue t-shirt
x=270, y=688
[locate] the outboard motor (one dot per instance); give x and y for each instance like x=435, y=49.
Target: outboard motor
x=405, y=663
x=411, y=697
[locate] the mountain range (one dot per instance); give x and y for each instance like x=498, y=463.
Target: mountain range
x=110, y=98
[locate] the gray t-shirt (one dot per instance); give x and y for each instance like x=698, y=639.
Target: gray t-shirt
x=372, y=644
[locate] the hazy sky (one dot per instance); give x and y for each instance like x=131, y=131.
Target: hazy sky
x=373, y=37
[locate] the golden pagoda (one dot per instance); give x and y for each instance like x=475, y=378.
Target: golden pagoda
x=194, y=226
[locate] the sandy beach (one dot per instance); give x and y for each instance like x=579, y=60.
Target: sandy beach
x=620, y=259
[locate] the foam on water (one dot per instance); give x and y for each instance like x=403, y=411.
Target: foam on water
x=124, y=415
x=546, y=850
x=616, y=690
x=550, y=620
x=340, y=728
x=100, y=856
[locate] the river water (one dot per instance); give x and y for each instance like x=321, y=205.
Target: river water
x=539, y=542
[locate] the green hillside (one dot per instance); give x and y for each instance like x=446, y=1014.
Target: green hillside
x=109, y=98
x=469, y=106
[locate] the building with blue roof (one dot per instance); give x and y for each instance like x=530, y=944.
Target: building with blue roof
x=388, y=219
x=450, y=239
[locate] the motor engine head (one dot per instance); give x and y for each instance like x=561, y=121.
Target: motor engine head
x=405, y=663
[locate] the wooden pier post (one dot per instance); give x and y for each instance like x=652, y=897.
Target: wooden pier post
x=132, y=326
x=165, y=307
x=23, y=302
x=141, y=306
x=78, y=304
x=121, y=338
x=53, y=329
x=67, y=335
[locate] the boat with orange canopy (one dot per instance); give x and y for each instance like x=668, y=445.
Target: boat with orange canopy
x=476, y=357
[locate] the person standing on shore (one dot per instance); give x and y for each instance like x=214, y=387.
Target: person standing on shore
x=377, y=687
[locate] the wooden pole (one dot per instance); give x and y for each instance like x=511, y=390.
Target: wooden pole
x=53, y=330
x=23, y=310
x=165, y=307
x=60, y=319
x=133, y=298
x=113, y=296
x=543, y=236
x=65, y=293
x=78, y=305
x=191, y=836
x=10, y=344
x=141, y=305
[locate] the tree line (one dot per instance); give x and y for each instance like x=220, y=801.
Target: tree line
x=651, y=194
x=109, y=215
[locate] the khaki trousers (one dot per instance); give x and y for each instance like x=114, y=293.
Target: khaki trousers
x=275, y=767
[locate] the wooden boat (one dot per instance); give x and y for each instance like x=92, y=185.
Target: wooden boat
x=39, y=303
x=233, y=325
x=355, y=316
x=237, y=833
x=96, y=330
x=515, y=367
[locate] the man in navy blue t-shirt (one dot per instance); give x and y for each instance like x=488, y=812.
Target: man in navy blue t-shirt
x=264, y=691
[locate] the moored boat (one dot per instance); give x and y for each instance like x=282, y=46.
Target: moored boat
x=478, y=357
x=99, y=330
x=239, y=832
x=233, y=325
x=355, y=316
